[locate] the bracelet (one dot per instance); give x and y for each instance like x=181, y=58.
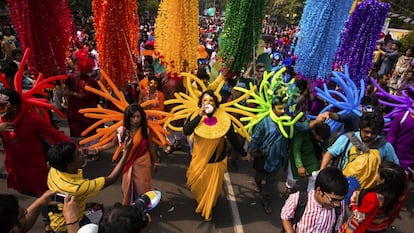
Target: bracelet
x=72, y=223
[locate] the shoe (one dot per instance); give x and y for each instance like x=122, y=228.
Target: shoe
x=266, y=207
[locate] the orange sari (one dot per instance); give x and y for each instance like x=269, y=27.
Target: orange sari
x=136, y=179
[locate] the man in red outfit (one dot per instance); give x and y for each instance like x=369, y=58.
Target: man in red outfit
x=22, y=131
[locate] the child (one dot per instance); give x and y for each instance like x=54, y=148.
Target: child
x=319, y=214
x=374, y=209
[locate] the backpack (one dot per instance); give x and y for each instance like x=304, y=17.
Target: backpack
x=363, y=162
x=300, y=209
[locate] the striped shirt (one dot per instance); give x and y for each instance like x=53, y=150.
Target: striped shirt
x=75, y=185
x=315, y=218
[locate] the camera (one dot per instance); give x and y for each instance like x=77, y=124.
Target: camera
x=147, y=201
x=59, y=197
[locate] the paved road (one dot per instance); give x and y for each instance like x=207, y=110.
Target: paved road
x=238, y=210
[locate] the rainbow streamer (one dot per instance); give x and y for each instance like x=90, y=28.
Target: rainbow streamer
x=320, y=27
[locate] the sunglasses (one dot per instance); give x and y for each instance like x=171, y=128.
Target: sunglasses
x=332, y=200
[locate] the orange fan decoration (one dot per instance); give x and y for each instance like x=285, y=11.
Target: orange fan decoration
x=117, y=28
x=103, y=115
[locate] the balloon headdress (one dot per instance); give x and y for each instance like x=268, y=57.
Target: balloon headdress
x=188, y=108
x=103, y=115
x=347, y=100
x=273, y=90
x=83, y=62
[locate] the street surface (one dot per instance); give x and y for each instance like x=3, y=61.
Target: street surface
x=238, y=210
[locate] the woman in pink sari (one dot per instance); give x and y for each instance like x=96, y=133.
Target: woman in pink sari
x=136, y=178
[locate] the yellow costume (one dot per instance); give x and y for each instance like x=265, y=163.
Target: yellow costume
x=209, y=162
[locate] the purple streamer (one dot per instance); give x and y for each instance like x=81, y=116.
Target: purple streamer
x=358, y=40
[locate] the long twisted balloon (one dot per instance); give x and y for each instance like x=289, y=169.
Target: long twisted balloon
x=263, y=102
x=347, y=101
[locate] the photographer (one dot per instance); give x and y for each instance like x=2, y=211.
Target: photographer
x=66, y=176
x=14, y=218
x=120, y=219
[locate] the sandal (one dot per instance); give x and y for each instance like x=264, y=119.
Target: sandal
x=168, y=150
x=48, y=229
x=266, y=207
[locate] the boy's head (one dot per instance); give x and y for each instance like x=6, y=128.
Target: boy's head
x=125, y=219
x=370, y=126
x=331, y=186
x=369, y=103
x=321, y=132
x=65, y=157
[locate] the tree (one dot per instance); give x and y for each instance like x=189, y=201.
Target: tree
x=407, y=42
x=148, y=5
x=286, y=11
x=83, y=5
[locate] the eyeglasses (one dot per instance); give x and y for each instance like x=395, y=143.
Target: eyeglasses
x=332, y=200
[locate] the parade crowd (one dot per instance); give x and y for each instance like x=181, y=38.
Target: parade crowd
x=357, y=175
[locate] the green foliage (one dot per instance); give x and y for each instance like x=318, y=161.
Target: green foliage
x=83, y=5
x=148, y=5
x=407, y=42
x=286, y=11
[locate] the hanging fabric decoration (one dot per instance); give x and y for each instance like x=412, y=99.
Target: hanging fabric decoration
x=45, y=26
x=242, y=30
x=117, y=29
x=176, y=34
x=320, y=28
x=358, y=40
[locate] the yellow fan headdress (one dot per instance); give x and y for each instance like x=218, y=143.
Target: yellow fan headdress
x=187, y=107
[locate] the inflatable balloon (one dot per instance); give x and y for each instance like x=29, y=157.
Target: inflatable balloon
x=348, y=100
x=211, y=11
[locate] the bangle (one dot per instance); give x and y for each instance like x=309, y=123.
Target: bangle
x=72, y=223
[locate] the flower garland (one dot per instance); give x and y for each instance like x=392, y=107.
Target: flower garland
x=117, y=28
x=176, y=34
x=45, y=26
x=242, y=30
x=360, y=36
x=320, y=27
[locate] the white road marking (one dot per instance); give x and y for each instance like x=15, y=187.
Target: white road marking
x=238, y=227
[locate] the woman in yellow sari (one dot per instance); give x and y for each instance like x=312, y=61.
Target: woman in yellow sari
x=209, y=162
x=136, y=178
